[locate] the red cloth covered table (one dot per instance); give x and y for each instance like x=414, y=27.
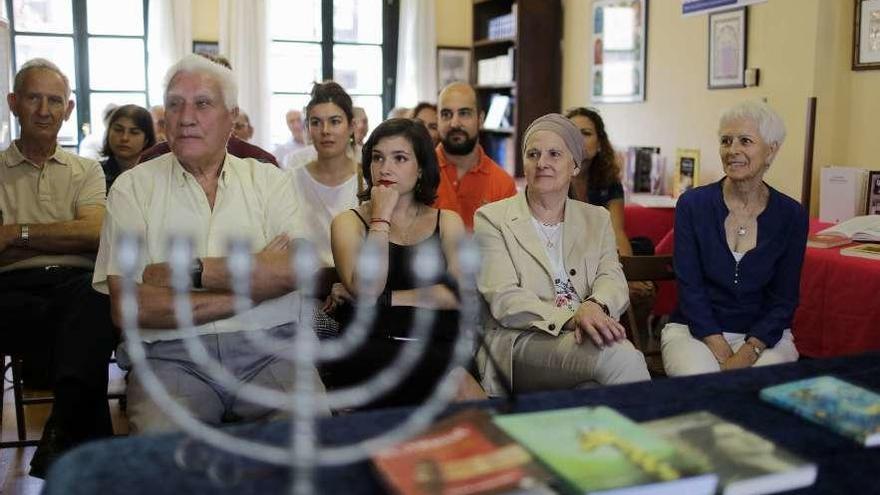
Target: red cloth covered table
x=653, y=223
x=839, y=311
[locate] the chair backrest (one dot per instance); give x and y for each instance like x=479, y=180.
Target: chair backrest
x=644, y=269
x=647, y=268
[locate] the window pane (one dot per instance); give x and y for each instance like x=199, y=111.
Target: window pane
x=99, y=102
x=58, y=49
x=358, y=68
x=43, y=16
x=298, y=20
x=357, y=21
x=280, y=105
x=294, y=67
x=116, y=64
x=125, y=17
x=373, y=106
x=67, y=136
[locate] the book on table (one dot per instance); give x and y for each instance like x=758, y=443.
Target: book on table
x=597, y=450
x=871, y=251
x=864, y=228
x=825, y=241
x=745, y=462
x=464, y=454
x=846, y=408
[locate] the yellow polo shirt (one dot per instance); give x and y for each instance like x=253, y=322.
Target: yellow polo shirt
x=48, y=194
x=158, y=198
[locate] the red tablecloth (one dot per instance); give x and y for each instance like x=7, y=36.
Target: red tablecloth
x=839, y=310
x=653, y=223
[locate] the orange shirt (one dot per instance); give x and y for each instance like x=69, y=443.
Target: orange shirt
x=485, y=183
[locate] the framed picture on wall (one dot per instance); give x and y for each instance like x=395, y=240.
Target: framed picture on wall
x=620, y=34
x=453, y=65
x=866, y=35
x=206, y=47
x=727, y=48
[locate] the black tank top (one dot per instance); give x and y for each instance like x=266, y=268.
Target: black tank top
x=400, y=258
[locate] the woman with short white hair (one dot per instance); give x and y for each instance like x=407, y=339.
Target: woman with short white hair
x=739, y=248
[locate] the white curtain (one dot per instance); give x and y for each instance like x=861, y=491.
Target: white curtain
x=244, y=39
x=169, y=38
x=416, y=53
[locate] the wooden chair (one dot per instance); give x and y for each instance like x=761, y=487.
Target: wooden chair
x=644, y=269
x=22, y=400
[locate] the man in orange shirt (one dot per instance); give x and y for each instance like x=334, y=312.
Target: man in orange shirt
x=468, y=177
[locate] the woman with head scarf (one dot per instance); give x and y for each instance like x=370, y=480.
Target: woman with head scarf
x=551, y=278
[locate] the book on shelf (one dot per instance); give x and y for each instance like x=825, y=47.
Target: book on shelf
x=687, y=170
x=863, y=228
x=464, y=454
x=846, y=408
x=825, y=241
x=745, y=462
x=870, y=251
x=497, y=116
x=873, y=194
x=841, y=193
x=597, y=450
x=645, y=170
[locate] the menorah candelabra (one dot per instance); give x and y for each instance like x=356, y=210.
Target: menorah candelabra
x=304, y=404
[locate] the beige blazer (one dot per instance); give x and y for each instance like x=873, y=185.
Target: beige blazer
x=517, y=281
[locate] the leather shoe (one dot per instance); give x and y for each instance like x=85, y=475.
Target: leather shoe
x=53, y=444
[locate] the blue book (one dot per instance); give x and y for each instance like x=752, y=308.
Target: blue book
x=847, y=409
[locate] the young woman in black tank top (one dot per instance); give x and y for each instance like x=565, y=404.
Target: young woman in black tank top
x=401, y=173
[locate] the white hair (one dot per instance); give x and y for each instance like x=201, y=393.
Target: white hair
x=200, y=65
x=769, y=123
x=39, y=63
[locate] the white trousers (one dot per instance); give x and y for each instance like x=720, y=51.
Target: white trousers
x=685, y=355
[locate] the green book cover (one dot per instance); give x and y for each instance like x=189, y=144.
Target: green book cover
x=596, y=450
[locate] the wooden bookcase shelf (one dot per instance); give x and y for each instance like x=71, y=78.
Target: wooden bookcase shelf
x=537, y=66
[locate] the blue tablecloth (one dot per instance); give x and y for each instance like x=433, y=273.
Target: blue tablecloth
x=146, y=465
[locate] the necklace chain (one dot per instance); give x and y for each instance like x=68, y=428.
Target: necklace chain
x=550, y=238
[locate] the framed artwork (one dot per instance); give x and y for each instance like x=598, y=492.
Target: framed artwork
x=687, y=170
x=206, y=47
x=727, y=48
x=866, y=35
x=619, y=47
x=453, y=65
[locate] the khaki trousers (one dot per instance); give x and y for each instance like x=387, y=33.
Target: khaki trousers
x=685, y=355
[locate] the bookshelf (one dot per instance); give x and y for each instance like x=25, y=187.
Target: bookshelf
x=516, y=48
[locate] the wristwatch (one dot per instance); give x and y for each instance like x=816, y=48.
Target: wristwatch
x=755, y=348
x=195, y=271
x=600, y=304
x=24, y=235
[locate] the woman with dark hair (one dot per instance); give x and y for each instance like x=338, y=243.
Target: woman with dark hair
x=401, y=172
x=129, y=132
x=328, y=184
x=598, y=182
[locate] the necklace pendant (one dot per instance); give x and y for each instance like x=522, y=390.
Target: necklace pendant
x=741, y=231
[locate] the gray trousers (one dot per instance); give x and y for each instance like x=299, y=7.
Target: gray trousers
x=190, y=386
x=544, y=362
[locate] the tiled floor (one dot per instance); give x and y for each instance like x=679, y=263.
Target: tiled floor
x=14, y=463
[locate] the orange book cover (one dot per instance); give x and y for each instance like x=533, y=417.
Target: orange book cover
x=462, y=455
